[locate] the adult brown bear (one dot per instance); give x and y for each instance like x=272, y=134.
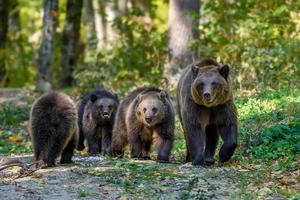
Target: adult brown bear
x=206, y=110
x=145, y=112
x=54, y=131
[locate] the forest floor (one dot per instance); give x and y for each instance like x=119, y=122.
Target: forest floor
x=265, y=166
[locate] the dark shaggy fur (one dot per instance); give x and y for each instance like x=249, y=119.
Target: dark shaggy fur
x=53, y=121
x=96, y=114
x=206, y=111
x=143, y=113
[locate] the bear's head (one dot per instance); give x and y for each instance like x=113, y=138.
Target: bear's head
x=151, y=107
x=211, y=84
x=103, y=107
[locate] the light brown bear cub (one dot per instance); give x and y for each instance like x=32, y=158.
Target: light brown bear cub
x=145, y=112
x=54, y=131
x=206, y=111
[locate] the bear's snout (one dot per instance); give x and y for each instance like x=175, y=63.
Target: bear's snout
x=207, y=96
x=148, y=119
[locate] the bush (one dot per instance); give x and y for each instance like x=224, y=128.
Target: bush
x=136, y=59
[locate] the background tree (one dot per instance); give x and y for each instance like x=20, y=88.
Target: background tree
x=69, y=42
x=4, y=12
x=89, y=25
x=182, y=33
x=46, y=51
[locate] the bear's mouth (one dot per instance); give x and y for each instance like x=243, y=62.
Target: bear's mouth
x=105, y=115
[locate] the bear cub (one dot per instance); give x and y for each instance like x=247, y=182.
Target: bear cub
x=54, y=130
x=144, y=113
x=96, y=113
x=206, y=111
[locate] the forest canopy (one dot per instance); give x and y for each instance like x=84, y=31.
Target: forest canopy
x=124, y=43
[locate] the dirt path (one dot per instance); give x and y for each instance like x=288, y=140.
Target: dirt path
x=99, y=178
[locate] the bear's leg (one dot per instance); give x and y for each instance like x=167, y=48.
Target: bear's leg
x=37, y=152
x=100, y=143
x=135, y=141
x=93, y=143
x=68, y=152
x=165, y=135
x=229, y=136
x=212, y=138
x=194, y=138
x=136, y=148
x=53, y=149
x=107, y=135
x=164, y=150
x=119, y=141
x=80, y=145
x=146, y=149
x=188, y=156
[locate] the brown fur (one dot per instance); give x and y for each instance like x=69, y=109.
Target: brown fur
x=54, y=132
x=144, y=113
x=97, y=113
x=206, y=110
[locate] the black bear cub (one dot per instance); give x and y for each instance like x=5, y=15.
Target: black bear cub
x=96, y=113
x=145, y=112
x=54, y=130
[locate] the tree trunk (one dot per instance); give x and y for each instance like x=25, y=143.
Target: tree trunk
x=89, y=25
x=111, y=11
x=122, y=7
x=99, y=17
x=183, y=32
x=14, y=17
x=46, y=51
x=4, y=11
x=70, y=39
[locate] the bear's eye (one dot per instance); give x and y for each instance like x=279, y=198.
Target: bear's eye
x=101, y=107
x=214, y=84
x=200, y=86
x=154, y=110
x=110, y=107
x=145, y=109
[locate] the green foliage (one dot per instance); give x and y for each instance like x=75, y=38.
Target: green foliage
x=279, y=141
x=259, y=39
x=137, y=57
x=11, y=143
x=10, y=115
x=14, y=137
x=82, y=193
x=270, y=128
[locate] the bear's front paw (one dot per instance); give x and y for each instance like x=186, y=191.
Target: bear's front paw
x=162, y=161
x=198, y=161
x=224, y=157
x=66, y=161
x=209, y=161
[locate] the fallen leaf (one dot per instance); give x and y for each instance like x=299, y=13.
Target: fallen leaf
x=15, y=139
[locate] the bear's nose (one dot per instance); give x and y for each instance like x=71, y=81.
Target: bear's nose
x=206, y=96
x=148, y=120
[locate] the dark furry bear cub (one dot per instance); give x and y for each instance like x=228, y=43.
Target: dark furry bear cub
x=54, y=130
x=96, y=114
x=206, y=111
x=145, y=112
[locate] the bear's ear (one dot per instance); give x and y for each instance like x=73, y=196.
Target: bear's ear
x=224, y=71
x=163, y=95
x=116, y=97
x=137, y=99
x=195, y=69
x=93, y=98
